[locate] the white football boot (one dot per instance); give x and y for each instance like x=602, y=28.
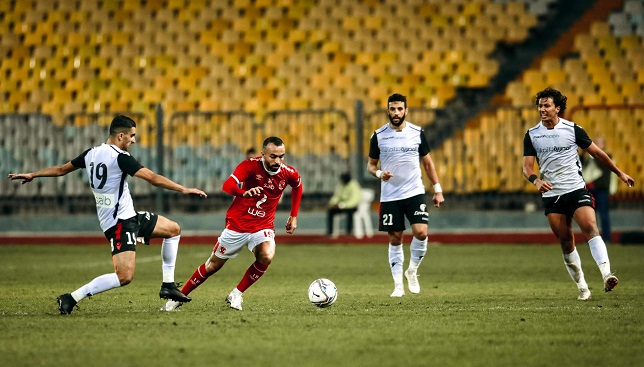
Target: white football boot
x=399, y=291
x=412, y=281
x=584, y=294
x=234, y=299
x=171, y=305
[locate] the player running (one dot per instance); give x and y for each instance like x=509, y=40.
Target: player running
x=250, y=219
x=107, y=167
x=553, y=143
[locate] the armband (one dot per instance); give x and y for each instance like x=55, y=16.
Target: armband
x=532, y=178
x=437, y=188
x=378, y=173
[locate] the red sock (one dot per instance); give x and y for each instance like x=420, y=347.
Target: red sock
x=199, y=276
x=254, y=272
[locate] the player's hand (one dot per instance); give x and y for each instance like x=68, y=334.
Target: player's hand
x=543, y=186
x=291, y=224
x=193, y=191
x=386, y=175
x=628, y=179
x=25, y=177
x=255, y=191
x=438, y=199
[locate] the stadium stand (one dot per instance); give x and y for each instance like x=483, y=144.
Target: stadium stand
x=172, y=45
x=600, y=70
x=69, y=58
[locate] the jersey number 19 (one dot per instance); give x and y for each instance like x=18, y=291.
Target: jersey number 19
x=101, y=174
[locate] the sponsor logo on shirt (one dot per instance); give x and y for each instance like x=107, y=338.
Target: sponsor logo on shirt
x=553, y=149
x=400, y=149
x=261, y=201
x=546, y=136
x=257, y=212
x=104, y=200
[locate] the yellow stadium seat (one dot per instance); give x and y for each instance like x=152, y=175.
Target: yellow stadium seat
x=209, y=105
x=550, y=63
x=75, y=85
x=351, y=23
x=631, y=87
x=153, y=96
x=555, y=76
x=598, y=29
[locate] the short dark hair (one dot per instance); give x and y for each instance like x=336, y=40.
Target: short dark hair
x=345, y=177
x=397, y=98
x=272, y=139
x=557, y=97
x=120, y=123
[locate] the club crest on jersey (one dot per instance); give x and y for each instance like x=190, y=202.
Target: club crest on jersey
x=282, y=185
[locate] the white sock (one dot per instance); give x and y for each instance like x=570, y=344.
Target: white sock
x=169, y=249
x=418, y=250
x=600, y=254
x=573, y=265
x=99, y=284
x=396, y=261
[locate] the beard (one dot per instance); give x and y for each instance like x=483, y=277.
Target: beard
x=272, y=168
x=400, y=121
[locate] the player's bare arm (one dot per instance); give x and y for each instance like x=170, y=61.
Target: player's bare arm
x=372, y=167
x=531, y=175
x=603, y=159
x=430, y=171
x=166, y=183
x=53, y=171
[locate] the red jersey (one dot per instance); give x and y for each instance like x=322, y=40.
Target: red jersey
x=255, y=213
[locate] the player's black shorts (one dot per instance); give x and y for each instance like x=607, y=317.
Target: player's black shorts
x=567, y=203
x=124, y=235
x=392, y=213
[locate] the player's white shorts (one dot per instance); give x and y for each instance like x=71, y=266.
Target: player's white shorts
x=230, y=243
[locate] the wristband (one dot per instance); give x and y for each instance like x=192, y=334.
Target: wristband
x=437, y=188
x=378, y=173
x=532, y=178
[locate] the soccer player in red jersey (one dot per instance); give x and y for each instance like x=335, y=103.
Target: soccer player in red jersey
x=250, y=218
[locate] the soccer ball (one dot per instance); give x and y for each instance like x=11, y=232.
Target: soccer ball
x=322, y=292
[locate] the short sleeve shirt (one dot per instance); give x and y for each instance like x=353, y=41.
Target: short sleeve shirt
x=399, y=152
x=107, y=167
x=556, y=152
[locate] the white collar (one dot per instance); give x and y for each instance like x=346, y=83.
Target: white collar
x=270, y=173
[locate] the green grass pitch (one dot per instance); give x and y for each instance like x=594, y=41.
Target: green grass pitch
x=480, y=305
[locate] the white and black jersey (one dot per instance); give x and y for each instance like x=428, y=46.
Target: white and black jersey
x=399, y=152
x=556, y=152
x=107, y=167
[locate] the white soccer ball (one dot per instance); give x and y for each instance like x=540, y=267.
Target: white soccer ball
x=322, y=292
